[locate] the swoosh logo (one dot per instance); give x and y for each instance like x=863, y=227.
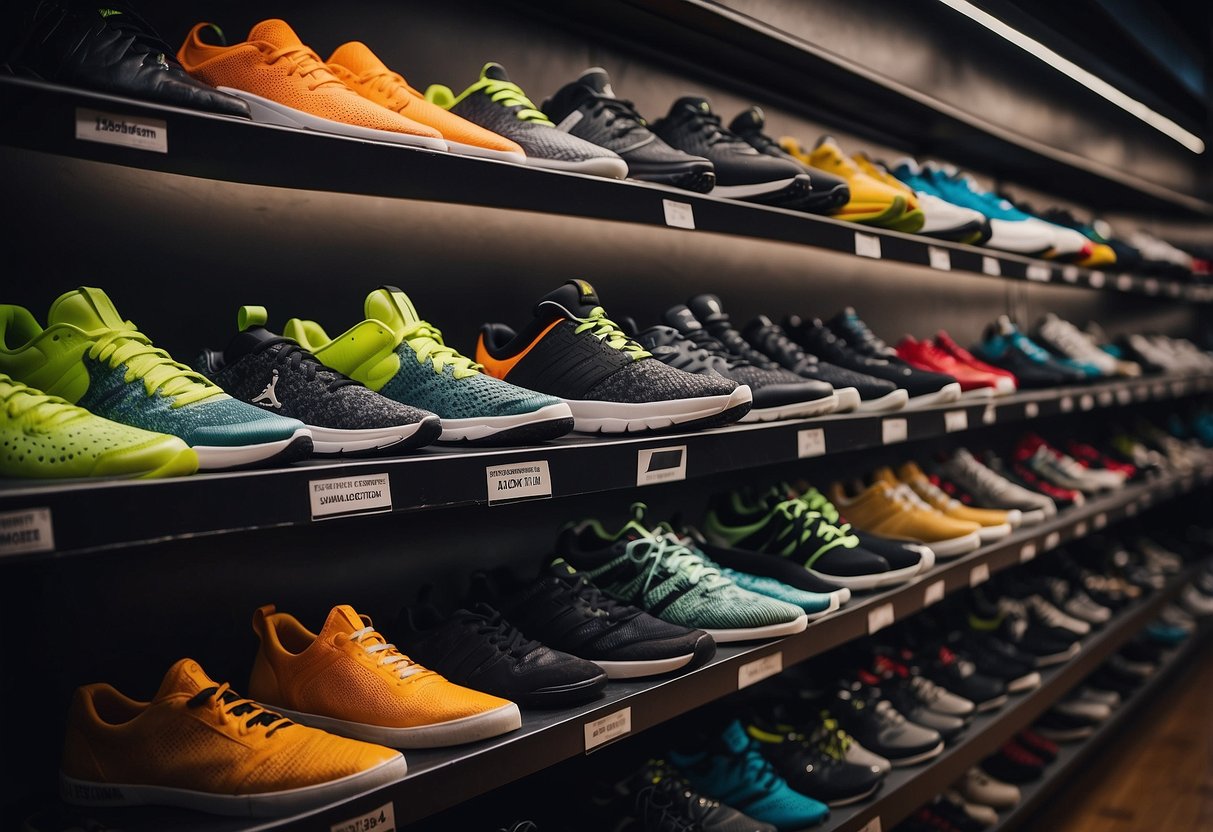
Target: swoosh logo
x=501, y=367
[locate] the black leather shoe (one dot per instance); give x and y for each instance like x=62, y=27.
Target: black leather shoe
x=110, y=48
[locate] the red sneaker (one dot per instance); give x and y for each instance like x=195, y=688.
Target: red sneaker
x=926, y=356
x=944, y=342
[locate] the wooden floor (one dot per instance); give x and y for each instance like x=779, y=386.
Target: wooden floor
x=1156, y=775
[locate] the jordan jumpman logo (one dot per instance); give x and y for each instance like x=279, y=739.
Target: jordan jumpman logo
x=268, y=398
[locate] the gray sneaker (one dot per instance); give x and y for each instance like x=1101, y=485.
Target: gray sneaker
x=991, y=489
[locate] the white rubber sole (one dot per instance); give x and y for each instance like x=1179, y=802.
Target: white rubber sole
x=482, y=726
x=636, y=670
x=617, y=417
x=795, y=410
x=978, y=393
x=956, y=546
x=918, y=758
x=267, y=804
x=1022, y=237
x=265, y=111
x=597, y=166
x=337, y=441
x=858, y=583
x=988, y=534
x=462, y=149
x=896, y=400
x=470, y=430
x=1029, y=681
x=1058, y=658
x=896, y=576
x=1033, y=516
x=1014, y=517
x=991, y=704
x=835, y=604
x=947, y=393
x=216, y=457
x=754, y=189
x=848, y=399
x=788, y=628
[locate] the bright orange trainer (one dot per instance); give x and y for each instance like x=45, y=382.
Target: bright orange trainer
x=351, y=681
x=285, y=82
x=365, y=74
x=200, y=746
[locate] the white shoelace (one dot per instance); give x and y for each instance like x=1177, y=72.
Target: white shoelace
x=396, y=662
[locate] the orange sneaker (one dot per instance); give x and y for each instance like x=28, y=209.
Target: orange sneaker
x=891, y=509
x=351, y=681
x=286, y=83
x=365, y=74
x=995, y=523
x=199, y=745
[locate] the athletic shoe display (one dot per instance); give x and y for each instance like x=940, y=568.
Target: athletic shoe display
x=872, y=202
x=589, y=109
x=279, y=376
x=571, y=349
x=943, y=341
x=90, y=356
x=44, y=437
x=565, y=611
x=990, y=488
x=997, y=659
x=941, y=219
x=478, y=648
x=285, y=83
x=741, y=171
x=980, y=787
x=657, y=796
x=995, y=523
x=974, y=383
x=498, y=104
x=398, y=355
x=829, y=193
x=1003, y=345
x=111, y=49
x=925, y=388
x=1012, y=621
x=258, y=762
x=882, y=729
x=1068, y=341
x=814, y=765
x=350, y=680
x=1064, y=471
x=356, y=65
x=890, y=508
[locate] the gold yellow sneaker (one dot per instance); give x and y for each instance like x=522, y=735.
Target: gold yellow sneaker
x=914, y=218
x=349, y=680
x=995, y=523
x=1101, y=256
x=199, y=745
x=891, y=509
x=872, y=201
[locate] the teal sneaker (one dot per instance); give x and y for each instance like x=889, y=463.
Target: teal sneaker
x=814, y=604
x=653, y=570
x=90, y=356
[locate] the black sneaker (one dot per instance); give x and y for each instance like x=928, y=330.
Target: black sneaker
x=925, y=388
x=1011, y=620
x=855, y=391
x=741, y=171
x=778, y=393
x=814, y=765
x=587, y=108
x=479, y=649
x=997, y=658
x=908, y=704
x=829, y=192
x=879, y=728
x=960, y=676
x=563, y=610
x=657, y=794
x=1013, y=764
x=769, y=566
x=278, y=375
x=1064, y=727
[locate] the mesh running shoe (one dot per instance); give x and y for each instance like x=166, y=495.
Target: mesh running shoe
x=945, y=342
x=258, y=762
x=564, y=610
x=889, y=508
x=989, y=488
x=588, y=109
x=350, y=680
x=612, y=384
x=815, y=604
x=941, y=218
x=93, y=358
x=1004, y=346
x=44, y=437
x=659, y=798
x=925, y=388
x=829, y=192
x=995, y=523
x=364, y=73
x=284, y=82
x=741, y=171
x=733, y=770
x=881, y=729
x=815, y=765
x=1068, y=341
x=975, y=384
x=498, y=104
x=278, y=375
x=397, y=354
x=653, y=570
x=872, y=202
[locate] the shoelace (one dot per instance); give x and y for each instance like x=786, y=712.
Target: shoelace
x=930, y=492
x=307, y=64
x=398, y=664
x=610, y=333
x=666, y=554
x=983, y=476
x=222, y=695
x=1071, y=340
x=303, y=361
x=623, y=117
x=866, y=336
x=509, y=94
x=385, y=81
x=659, y=811
x=816, y=501
x=42, y=410
x=888, y=714
x=808, y=525
x=143, y=36
x=710, y=123
x=757, y=770
x=427, y=344
x=593, y=597
x=926, y=690
x=712, y=345
x=153, y=365
x=503, y=634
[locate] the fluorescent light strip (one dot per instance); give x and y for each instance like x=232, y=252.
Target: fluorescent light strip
x=1092, y=82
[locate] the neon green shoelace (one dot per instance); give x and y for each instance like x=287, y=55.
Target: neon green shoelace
x=813, y=525
x=427, y=344
x=153, y=365
x=509, y=94
x=606, y=330
x=41, y=410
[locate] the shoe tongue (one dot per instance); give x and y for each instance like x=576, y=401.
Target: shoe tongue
x=246, y=342
x=749, y=121
x=1005, y=326
x=708, y=309
x=912, y=168
x=911, y=471
x=596, y=78
x=574, y=299
x=562, y=569
x=696, y=103
x=735, y=738
x=185, y=676
x=393, y=307
x=274, y=32
x=885, y=475
x=682, y=319
x=494, y=71
x=342, y=619
x=828, y=142
x=357, y=58
x=87, y=309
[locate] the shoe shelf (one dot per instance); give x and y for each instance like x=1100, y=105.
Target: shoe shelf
x=50, y=119
x=1073, y=756
x=441, y=778
x=149, y=511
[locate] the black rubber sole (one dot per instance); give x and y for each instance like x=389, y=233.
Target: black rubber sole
x=794, y=196
x=701, y=179
x=562, y=696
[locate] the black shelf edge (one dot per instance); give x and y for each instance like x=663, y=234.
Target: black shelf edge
x=441, y=778
x=149, y=511
x=47, y=118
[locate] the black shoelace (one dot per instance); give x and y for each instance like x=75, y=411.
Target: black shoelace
x=581, y=588
x=240, y=707
x=623, y=119
x=710, y=123
x=300, y=360
x=503, y=635
x=710, y=344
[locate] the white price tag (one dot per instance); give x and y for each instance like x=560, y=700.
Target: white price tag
x=1098, y=279
x=1174, y=289
x=955, y=420
x=1124, y=282
x=1158, y=390
x=1067, y=404
x=1177, y=388
x=1151, y=286
x=867, y=245
x=1100, y=521
x=1027, y=552
x=1104, y=398
x=380, y=819
x=991, y=266
x=1142, y=393
x=344, y=496
x=610, y=727
x=810, y=442
x=518, y=481
x=753, y=672
x=138, y=132
x=1081, y=528
x=26, y=530
x=990, y=415
x=880, y=617
x=979, y=574
x=1038, y=272
x=1131, y=509
x=871, y=826
x=1123, y=396
x=1052, y=540
x=679, y=214
x=1070, y=274
x=1086, y=401
x=1031, y=410
x=892, y=431
x=933, y=594
x=655, y=465
x=940, y=258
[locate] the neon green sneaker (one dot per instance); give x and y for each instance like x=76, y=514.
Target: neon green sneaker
x=44, y=437
x=400, y=356
x=91, y=357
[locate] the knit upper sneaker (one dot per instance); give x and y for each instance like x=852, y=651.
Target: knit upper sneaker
x=496, y=103
x=571, y=349
x=395, y=353
x=279, y=376
x=653, y=570
x=45, y=437
x=91, y=357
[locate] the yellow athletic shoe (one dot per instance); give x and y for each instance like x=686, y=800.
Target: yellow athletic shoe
x=199, y=745
x=872, y=201
x=995, y=523
x=914, y=217
x=1101, y=256
x=349, y=680
x=45, y=437
x=890, y=509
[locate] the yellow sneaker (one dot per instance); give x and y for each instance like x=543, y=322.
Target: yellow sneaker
x=890, y=509
x=995, y=523
x=351, y=681
x=872, y=201
x=914, y=217
x=199, y=745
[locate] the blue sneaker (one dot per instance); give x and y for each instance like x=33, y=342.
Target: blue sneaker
x=1004, y=346
x=734, y=772
x=815, y=604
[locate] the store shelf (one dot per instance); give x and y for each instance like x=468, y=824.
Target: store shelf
x=137, y=512
x=50, y=119
x=439, y=779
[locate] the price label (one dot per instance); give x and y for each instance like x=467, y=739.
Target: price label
x=753, y=672
x=1070, y=274
x=381, y=819
x=1104, y=398
x=138, y=132
x=979, y=574
x=1098, y=279
x=955, y=420
x=1031, y=410
x=892, y=431
x=880, y=617
x=1131, y=509
x=1151, y=286
x=1081, y=529
x=518, y=481
x=991, y=267
x=1124, y=282
x=1158, y=390
x=1100, y=521
x=656, y=465
x=810, y=442
x=25, y=531
x=344, y=496
x=1052, y=540
x=933, y=594
x=871, y=826
x=608, y=728
x=1086, y=401
x=1027, y=552
x=940, y=258
x=867, y=245
x=1067, y=404
x=679, y=214
x=989, y=415
x=1038, y=273
x=1123, y=396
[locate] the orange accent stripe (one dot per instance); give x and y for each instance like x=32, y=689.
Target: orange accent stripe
x=501, y=367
